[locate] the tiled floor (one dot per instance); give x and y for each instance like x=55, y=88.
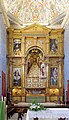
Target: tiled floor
x=14, y=117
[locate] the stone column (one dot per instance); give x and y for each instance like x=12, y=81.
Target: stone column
x=60, y=75
x=47, y=45
x=60, y=44
x=23, y=60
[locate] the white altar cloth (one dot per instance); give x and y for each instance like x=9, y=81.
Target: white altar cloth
x=48, y=114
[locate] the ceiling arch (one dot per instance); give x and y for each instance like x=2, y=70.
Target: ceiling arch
x=40, y=11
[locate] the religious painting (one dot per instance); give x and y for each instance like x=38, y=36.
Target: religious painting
x=53, y=45
x=17, y=76
x=17, y=45
x=28, y=43
x=41, y=42
x=53, y=76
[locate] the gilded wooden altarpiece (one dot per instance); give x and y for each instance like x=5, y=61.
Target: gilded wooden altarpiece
x=35, y=64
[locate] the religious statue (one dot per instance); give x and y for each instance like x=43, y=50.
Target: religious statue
x=43, y=70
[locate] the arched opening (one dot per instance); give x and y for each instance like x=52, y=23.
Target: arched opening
x=33, y=80
x=33, y=58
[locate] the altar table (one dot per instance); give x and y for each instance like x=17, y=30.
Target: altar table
x=48, y=114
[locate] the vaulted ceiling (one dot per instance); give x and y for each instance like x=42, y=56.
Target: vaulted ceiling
x=45, y=12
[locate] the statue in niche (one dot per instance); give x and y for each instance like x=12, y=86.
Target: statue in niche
x=54, y=76
x=17, y=77
x=43, y=70
x=53, y=45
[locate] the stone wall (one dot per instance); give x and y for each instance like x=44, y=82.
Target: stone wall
x=66, y=59
x=2, y=50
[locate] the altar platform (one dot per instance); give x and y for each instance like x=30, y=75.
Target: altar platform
x=46, y=104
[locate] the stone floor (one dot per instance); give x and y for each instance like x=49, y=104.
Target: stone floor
x=15, y=117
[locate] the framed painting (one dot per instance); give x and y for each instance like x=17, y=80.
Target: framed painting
x=53, y=76
x=17, y=76
x=17, y=45
x=53, y=45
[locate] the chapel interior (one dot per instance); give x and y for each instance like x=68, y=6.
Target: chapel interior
x=34, y=51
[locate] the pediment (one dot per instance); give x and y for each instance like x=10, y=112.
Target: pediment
x=36, y=28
